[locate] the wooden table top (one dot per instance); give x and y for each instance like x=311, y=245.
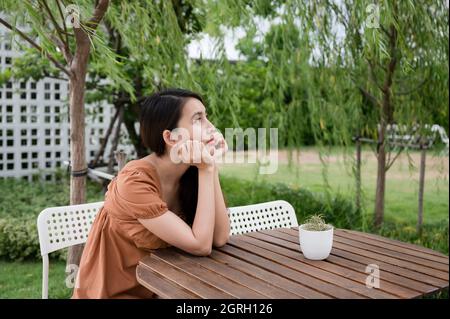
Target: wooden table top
x=269, y=264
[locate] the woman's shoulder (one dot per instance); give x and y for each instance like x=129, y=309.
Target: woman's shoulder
x=139, y=167
x=135, y=192
x=138, y=175
x=138, y=164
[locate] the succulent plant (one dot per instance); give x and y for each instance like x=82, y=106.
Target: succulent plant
x=316, y=223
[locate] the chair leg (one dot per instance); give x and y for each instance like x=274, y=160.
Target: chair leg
x=45, y=266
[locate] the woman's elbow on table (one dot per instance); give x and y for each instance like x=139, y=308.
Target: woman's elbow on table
x=202, y=251
x=221, y=241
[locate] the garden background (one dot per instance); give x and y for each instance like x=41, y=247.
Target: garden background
x=322, y=72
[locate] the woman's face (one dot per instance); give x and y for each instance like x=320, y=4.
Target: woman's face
x=194, y=122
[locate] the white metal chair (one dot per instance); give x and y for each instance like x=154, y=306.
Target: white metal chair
x=64, y=226
x=269, y=215
x=61, y=227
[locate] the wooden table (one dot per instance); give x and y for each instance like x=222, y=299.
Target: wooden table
x=269, y=264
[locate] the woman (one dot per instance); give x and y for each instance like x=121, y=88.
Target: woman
x=171, y=197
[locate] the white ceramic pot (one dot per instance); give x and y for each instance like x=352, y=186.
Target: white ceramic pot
x=315, y=245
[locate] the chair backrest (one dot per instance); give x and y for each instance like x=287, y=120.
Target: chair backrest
x=269, y=215
x=64, y=226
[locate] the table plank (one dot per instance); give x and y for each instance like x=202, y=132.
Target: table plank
x=183, y=279
x=215, y=280
x=395, y=242
x=248, y=282
x=392, y=253
x=426, y=280
x=390, y=259
x=160, y=285
x=416, y=271
x=354, y=262
x=358, y=274
x=267, y=276
x=304, y=267
x=385, y=244
x=309, y=281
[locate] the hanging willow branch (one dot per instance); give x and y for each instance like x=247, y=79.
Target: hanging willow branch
x=36, y=46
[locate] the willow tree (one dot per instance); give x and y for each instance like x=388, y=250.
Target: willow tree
x=65, y=37
x=387, y=59
x=152, y=57
x=152, y=38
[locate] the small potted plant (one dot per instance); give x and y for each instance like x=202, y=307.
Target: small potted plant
x=316, y=238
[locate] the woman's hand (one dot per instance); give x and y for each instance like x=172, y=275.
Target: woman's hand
x=219, y=145
x=197, y=154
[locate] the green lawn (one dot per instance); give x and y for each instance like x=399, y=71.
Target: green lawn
x=24, y=280
x=401, y=187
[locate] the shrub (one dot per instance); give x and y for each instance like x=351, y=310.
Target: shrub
x=22, y=198
x=433, y=236
x=22, y=202
x=19, y=240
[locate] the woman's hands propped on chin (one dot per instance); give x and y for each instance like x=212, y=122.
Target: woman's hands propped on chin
x=202, y=154
x=217, y=147
x=197, y=154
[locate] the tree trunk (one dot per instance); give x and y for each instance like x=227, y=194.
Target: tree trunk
x=77, y=133
x=140, y=149
x=101, y=151
x=115, y=141
x=423, y=155
x=381, y=178
x=121, y=158
x=358, y=173
x=77, y=80
x=386, y=117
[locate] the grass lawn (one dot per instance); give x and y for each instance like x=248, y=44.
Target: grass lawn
x=401, y=187
x=24, y=280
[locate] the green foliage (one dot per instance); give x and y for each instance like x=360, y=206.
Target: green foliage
x=18, y=238
x=434, y=236
x=21, y=198
x=299, y=76
x=22, y=202
x=18, y=234
x=338, y=210
x=36, y=19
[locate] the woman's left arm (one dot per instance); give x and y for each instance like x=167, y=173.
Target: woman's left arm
x=222, y=221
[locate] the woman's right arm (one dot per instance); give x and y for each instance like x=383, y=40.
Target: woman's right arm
x=174, y=231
